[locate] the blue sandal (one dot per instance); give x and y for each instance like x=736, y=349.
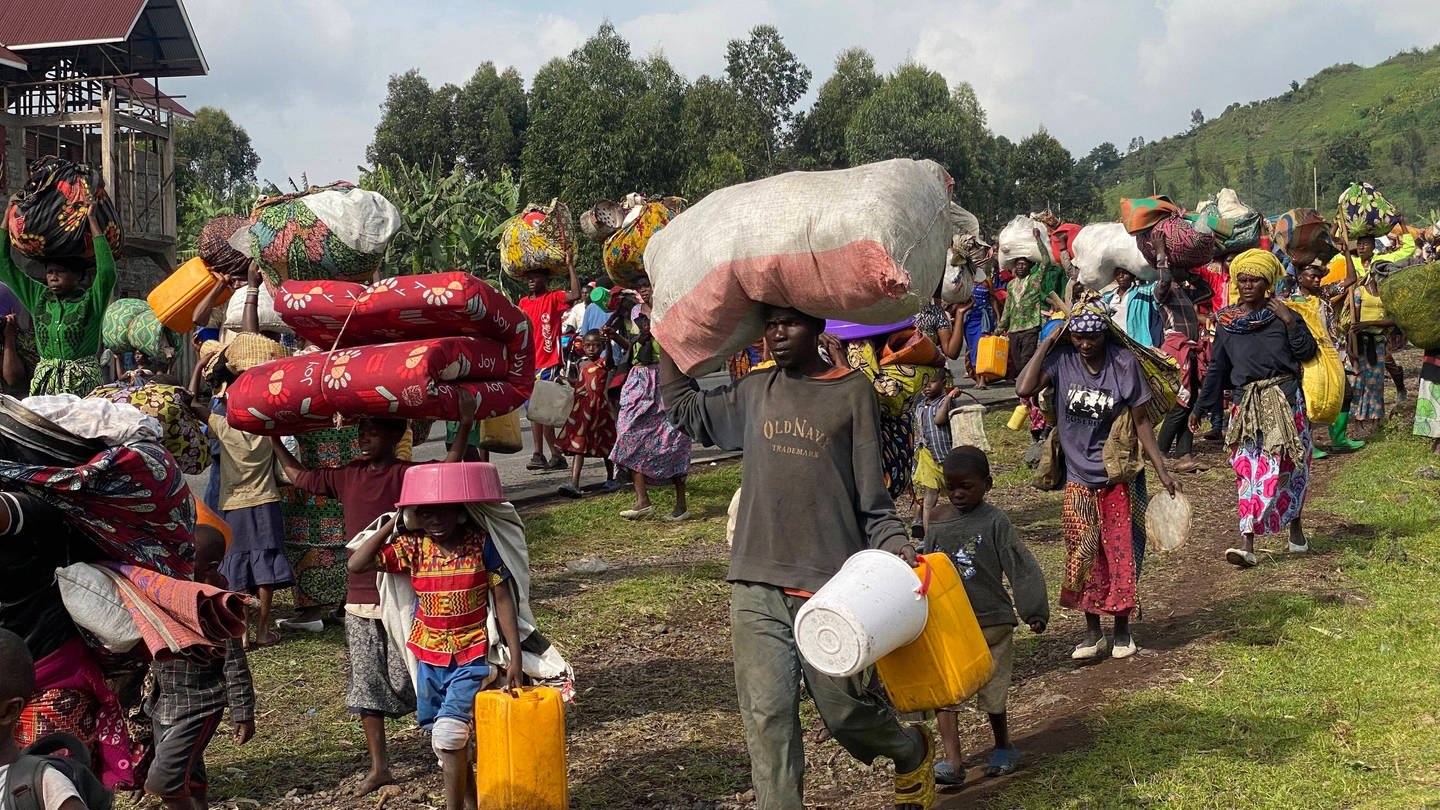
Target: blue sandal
x=1003, y=762
x=945, y=774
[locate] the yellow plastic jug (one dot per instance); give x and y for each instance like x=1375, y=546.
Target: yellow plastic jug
x=175, y=298
x=520, y=740
x=950, y=660
x=1019, y=417
x=991, y=355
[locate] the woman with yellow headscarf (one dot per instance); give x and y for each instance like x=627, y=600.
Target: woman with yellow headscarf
x=1259, y=346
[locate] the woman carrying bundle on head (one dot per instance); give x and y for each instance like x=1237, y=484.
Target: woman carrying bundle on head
x=1259, y=346
x=1100, y=390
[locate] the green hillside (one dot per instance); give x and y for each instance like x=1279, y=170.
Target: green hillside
x=1379, y=124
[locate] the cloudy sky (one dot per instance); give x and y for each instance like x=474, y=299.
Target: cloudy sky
x=306, y=77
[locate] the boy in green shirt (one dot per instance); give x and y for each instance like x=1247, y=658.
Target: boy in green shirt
x=67, y=318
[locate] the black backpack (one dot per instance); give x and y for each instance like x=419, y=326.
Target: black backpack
x=23, y=788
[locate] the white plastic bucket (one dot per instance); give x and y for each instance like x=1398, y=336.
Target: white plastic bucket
x=870, y=608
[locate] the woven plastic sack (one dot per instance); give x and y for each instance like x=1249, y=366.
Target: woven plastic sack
x=1322, y=377
x=335, y=232
x=434, y=305
x=967, y=427
x=412, y=380
x=184, y=433
x=1185, y=245
x=94, y=604
x=270, y=320
x=625, y=249
x=1412, y=298
x=1017, y=241
x=866, y=245
x=1168, y=520
x=1366, y=212
x=49, y=220
x=540, y=238
x=215, y=249
x=1101, y=249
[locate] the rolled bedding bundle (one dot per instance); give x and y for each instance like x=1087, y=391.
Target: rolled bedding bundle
x=866, y=244
x=420, y=379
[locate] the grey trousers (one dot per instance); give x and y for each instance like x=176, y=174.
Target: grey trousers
x=768, y=669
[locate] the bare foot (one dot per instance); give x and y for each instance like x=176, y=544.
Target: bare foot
x=372, y=782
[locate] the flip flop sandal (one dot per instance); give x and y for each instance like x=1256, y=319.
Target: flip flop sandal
x=569, y=491
x=945, y=774
x=1003, y=762
x=559, y=463
x=1240, y=558
x=537, y=463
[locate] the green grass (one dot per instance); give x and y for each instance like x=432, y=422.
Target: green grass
x=1316, y=700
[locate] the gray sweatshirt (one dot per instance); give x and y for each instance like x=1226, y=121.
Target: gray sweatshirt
x=985, y=549
x=814, y=492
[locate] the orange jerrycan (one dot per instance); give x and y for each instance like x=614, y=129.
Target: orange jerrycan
x=174, y=299
x=992, y=353
x=520, y=749
x=950, y=660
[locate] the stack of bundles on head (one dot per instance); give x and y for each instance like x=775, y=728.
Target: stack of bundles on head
x=1104, y=247
x=538, y=239
x=624, y=250
x=130, y=325
x=325, y=232
x=866, y=244
x=1412, y=298
x=462, y=334
x=50, y=217
x=1158, y=218
x=1017, y=241
x=1235, y=225
x=102, y=465
x=1365, y=212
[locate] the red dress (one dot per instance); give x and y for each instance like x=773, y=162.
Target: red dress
x=590, y=430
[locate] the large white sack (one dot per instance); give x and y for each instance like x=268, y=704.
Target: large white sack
x=866, y=245
x=264, y=308
x=1102, y=248
x=1017, y=241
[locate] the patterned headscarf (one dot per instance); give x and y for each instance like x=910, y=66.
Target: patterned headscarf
x=1259, y=264
x=1089, y=317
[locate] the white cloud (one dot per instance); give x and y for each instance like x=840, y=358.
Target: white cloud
x=307, y=79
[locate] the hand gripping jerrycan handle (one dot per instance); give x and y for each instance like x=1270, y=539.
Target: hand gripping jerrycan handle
x=923, y=589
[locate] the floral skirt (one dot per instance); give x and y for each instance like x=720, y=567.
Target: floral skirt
x=1369, y=399
x=645, y=441
x=1427, y=397
x=1272, y=489
x=1104, y=530
x=78, y=377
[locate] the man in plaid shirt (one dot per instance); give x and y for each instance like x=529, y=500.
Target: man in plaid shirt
x=192, y=697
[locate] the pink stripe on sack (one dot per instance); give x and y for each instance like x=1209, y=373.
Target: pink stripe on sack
x=852, y=277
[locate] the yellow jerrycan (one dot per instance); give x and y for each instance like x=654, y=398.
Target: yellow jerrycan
x=950, y=660
x=520, y=749
x=175, y=298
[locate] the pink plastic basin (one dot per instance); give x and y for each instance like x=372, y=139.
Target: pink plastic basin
x=462, y=482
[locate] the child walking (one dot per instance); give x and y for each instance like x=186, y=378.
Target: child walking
x=932, y=441
x=66, y=318
x=986, y=550
x=368, y=487
x=590, y=430
x=190, y=699
x=249, y=500
x=457, y=572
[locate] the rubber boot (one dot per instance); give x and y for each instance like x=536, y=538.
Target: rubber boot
x=1316, y=453
x=1338, y=439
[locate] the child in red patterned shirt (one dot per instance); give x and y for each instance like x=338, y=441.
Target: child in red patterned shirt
x=456, y=572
